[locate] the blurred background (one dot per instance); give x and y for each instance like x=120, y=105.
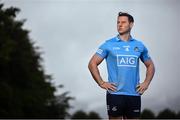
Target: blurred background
x=46, y=45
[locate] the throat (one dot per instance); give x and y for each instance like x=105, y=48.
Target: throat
x=124, y=37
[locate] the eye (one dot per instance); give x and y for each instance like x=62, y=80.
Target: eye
x=123, y=22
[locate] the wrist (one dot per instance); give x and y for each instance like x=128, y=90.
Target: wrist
x=101, y=83
x=147, y=82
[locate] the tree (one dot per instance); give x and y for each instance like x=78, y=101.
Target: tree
x=178, y=115
x=147, y=114
x=26, y=91
x=61, y=103
x=166, y=114
x=93, y=115
x=80, y=114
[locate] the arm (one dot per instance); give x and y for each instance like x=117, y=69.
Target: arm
x=93, y=68
x=149, y=75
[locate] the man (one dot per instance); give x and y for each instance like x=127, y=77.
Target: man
x=122, y=54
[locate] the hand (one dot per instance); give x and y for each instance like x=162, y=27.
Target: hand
x=108, y=86
x=141, y=88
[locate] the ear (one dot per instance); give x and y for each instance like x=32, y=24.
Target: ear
x=131, y=24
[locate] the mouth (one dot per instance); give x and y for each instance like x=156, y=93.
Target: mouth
x=120, y=29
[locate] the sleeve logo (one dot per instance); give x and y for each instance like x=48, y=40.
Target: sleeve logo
x=99, y=51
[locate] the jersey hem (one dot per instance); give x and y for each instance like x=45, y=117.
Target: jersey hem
x=124, y=94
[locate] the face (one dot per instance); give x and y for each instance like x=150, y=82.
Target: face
x=123, y=25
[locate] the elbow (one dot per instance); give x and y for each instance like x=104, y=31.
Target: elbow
x=91, y=65
x=152, y=68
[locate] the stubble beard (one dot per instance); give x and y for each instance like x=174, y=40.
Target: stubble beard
x=125, y=32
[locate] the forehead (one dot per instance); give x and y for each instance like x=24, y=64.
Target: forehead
x=122, y=18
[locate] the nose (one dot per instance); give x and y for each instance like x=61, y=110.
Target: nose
x=120, y=24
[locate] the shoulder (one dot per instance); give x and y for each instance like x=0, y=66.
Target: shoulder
x=140, y=45
x=139, y=42
x=111, y=40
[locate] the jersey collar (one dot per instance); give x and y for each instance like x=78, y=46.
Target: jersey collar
x=119, y=39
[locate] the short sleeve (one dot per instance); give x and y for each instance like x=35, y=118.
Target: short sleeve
x=145, y=55
x=102, y=51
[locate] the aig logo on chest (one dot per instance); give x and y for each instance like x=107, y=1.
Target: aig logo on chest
x=127, y=60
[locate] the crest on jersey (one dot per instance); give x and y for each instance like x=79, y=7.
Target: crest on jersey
x=136, y=49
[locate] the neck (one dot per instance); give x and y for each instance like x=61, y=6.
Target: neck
x=125, y=37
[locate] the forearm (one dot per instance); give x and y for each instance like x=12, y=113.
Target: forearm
x=149, y=76
x=93, y=68
x=149, y=73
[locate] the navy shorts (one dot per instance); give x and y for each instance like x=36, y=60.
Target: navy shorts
x=123, y=105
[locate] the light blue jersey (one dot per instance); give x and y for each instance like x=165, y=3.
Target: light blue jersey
x=122, y=58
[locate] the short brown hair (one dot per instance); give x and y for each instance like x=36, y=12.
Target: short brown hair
x=130, y=17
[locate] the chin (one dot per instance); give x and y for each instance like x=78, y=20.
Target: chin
x=121, y=33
